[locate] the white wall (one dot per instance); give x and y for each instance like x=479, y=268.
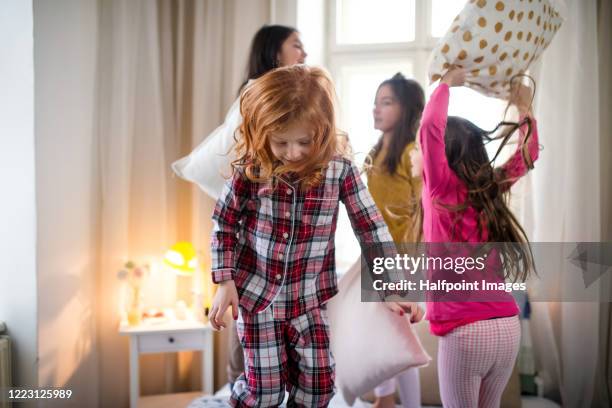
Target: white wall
x=65, y=47
x=17, y=172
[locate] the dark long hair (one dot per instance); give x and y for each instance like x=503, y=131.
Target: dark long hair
x=488, y=189
x=266, y=45
x=411, y=98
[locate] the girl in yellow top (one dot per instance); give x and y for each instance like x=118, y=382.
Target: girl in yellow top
x=397, y=112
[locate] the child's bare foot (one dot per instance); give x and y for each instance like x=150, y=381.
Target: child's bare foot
x=388, y=401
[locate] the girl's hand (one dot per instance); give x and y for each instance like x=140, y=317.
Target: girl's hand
x=226, y=295
x=454, y=77
x=521, y=97
x=411, y=308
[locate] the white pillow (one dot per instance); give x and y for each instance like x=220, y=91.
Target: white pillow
x=369, y=343
x=209, y=164
x=496, y=39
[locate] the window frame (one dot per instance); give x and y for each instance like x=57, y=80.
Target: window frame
x=336, y=54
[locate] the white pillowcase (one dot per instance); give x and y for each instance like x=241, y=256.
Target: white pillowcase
x=209, y=164
x=496, y=39
x=370, y=344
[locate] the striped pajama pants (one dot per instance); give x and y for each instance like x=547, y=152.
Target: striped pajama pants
x=284, y=354
x=475, y=362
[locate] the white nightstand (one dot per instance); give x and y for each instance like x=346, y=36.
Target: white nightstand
x=165, y=338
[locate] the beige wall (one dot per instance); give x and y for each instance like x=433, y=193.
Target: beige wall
x=65, y=47
x=17, y=172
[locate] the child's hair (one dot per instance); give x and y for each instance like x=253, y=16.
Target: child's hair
x=290, y=96
x=488, y=190
x=411, y=98
x=266, y=45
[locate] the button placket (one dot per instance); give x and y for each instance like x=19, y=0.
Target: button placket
x=290, y=201
x=287, y=214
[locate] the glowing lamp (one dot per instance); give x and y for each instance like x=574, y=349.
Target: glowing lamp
x=182, y=258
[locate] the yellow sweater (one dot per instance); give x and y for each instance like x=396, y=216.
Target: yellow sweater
x=397, y=195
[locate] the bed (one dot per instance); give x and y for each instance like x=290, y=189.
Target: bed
x=220, y=400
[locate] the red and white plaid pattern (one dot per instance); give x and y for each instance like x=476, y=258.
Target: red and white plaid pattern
x=285, y=354
x=475, y=362
x=277, y=240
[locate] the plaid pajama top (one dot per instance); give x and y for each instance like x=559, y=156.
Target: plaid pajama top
x=277, y=243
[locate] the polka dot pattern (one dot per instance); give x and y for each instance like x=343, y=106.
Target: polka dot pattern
x=495, y=39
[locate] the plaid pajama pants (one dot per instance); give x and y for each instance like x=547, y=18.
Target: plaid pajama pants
x=289, y=354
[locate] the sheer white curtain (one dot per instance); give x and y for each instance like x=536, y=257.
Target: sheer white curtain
x=565, y=199
x=168, y=70
x=603, y=386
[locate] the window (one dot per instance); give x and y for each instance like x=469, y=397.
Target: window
x=382, y=26
x=442, y=14
x=363, y=42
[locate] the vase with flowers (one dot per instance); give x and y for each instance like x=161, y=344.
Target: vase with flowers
x=133, y=275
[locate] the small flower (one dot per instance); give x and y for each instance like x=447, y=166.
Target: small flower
x=134, y=274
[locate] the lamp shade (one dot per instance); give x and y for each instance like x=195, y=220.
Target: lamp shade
x=182, y=258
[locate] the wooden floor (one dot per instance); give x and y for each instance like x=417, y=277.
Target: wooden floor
x=180, y=400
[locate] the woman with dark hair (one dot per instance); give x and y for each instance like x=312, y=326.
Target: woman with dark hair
x=273, y=46
x=397, y=112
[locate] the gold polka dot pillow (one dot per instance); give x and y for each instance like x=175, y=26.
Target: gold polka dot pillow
x=494, y=40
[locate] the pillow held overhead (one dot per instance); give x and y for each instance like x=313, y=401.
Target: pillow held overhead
x=495, y=39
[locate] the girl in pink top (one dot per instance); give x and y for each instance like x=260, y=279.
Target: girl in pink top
x=463, y=201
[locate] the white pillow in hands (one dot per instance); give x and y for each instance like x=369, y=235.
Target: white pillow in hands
x=370, y=344
x=209, y=164
x=496, y=39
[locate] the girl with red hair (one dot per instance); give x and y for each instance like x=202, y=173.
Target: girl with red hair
x=273, y=237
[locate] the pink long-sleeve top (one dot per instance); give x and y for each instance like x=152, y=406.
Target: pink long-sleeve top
x=442, y=186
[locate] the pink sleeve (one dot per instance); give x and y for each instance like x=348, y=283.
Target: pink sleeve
x=515, y=167
x=431, y=137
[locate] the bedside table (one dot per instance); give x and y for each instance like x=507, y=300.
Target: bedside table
x=169, y=337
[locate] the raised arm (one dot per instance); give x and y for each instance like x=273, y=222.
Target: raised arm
x=527, y=151
x=431, y=139
x=516, y=167
x=433, y=127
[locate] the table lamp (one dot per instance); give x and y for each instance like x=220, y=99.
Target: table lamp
x=182, y=259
